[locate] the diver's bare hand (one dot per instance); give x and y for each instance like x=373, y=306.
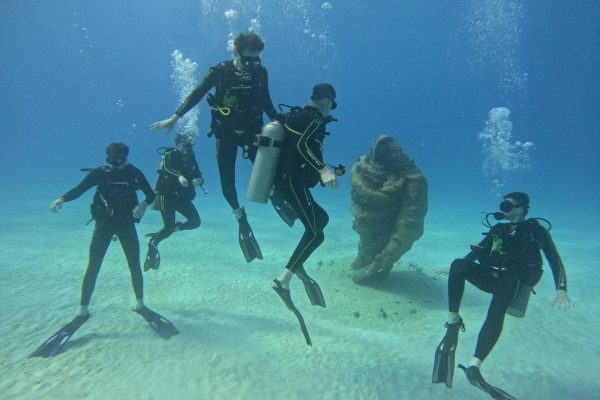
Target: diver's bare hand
x=56, y=205
x=562, y=300
x=328, y=177
x=184, y=182
x=139, y=210
x=198, y=181
x=165, y=123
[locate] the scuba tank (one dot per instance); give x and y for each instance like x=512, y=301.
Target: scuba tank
x=518, y=306
x=269, y=143
x=156, y=206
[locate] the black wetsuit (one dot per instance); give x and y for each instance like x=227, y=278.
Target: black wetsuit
x=112, y=209
x=298, y=170
x=508, y=256
x=245, y=93
x=172, y=196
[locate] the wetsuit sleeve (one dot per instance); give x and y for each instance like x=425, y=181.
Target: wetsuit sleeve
x=90, y=180
x=145, y=186
x=267, y=102
x=551, y=253
x=197, y=173
x=303, y=143
x=210, y=80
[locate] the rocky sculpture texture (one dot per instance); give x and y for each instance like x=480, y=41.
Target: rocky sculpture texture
x=389, y=204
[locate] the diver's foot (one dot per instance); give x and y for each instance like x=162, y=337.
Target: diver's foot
x=278, y=284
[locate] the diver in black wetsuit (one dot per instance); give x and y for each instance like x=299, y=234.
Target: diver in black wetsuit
x=241, y=96
x=300, y=168
x=178, y=176
x=507, y=263
x=115, y=209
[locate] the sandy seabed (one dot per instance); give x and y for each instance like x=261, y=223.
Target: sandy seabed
x=238, y=341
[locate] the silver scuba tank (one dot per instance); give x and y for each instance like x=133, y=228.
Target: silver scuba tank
x=270, y=143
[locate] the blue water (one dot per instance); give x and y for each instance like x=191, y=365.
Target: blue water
x=76, y=75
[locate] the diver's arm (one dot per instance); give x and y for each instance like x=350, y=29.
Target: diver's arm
x=210, y=80
x=194, y=97
x=197, y=178
x=196, y=173
x=327, y=177
x=140, y=209
x=145, y=187
x=561, y=299
x=303, y=148
x=551, y=253
x=89, y=181
x=268, y=107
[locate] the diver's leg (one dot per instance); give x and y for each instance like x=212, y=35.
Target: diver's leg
x=460, y=270
x=131, y=247
x=188, y=210
x=101, y=238
x=167, y=211
x=226, y=157
x=313, y=218
x=443, y=366
x=505, y=288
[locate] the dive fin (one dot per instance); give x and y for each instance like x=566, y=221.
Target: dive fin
x=54, y=344
x=287, y=300
x=248, y=242
x=443, y=362
x=160, y=324
x=476, y=379
x=284, y=209
x=152, y=258
x=313, y=291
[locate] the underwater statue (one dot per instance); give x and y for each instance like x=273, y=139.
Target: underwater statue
x=389, y=203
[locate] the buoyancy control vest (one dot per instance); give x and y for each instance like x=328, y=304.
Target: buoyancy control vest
x=173, y=164
x=115, y=196
x=514, y=247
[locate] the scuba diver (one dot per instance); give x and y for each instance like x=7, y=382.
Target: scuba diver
x=178, y=176
x=241, y=96
x=300, y=168
x=115, y=210
x=507, y=263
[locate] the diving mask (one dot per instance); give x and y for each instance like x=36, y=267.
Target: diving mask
x=116, y=161
x=507, y=206
x=184, y=142
x=333, y=103
x=249, y=61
